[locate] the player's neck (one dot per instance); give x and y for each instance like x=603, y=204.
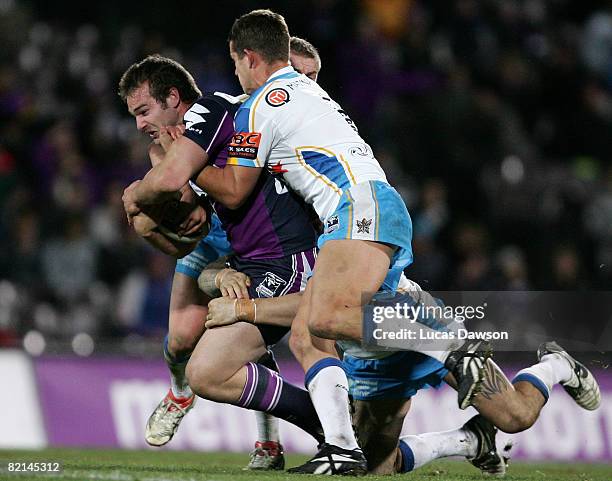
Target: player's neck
x=183, y=108
x=271, y=69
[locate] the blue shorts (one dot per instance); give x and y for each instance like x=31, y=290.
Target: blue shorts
x=275, y=278
x=398, y=376
x=209, y=249
x=373, y=211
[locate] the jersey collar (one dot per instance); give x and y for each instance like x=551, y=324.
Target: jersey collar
x=285, y=72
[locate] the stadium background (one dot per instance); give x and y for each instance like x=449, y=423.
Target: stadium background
x=492, y=118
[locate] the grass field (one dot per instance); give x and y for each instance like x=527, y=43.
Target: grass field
x=107, y=465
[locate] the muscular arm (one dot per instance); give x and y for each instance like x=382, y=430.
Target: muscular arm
x=276, y=311
x=231, y=185
x=182, y=161
x=146, y=227
x=177, y=250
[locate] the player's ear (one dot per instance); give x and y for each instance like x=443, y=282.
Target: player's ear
x=253, y=60
x=174, y=98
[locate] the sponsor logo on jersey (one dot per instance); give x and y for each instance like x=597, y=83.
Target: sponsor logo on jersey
x=270, y=285
x=332, y=224
x=277, y=97
x=244, y=145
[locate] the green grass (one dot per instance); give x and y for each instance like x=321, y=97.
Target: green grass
x=107, y=465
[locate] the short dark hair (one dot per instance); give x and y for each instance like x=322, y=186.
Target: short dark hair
x=262, y=31
x=304, y=48
x=162, y=73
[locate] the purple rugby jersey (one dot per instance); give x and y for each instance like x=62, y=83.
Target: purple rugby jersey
x=273, y=222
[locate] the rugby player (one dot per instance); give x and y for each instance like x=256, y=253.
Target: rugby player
x=274, y=243
x=307, y=137
x=158, y=92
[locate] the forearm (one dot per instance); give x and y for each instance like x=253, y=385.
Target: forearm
x=277, y=311
x=168, y=246
x=156, y=186
x=221, y=186
x=207, y=279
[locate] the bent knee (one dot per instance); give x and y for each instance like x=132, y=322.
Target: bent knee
x=516, y=422
x=324, y=325
x=181, y=346
x=299, y=343
x=204, y=380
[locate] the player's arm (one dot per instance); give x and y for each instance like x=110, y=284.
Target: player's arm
x=218, y=280
x=276, y=311
x=146, y=227
x=230, y=185
x=247, y=153
x=182, y=161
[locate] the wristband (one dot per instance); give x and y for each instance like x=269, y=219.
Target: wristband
x=245, y=310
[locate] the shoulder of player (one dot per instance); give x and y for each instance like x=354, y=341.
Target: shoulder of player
x=263, y=105
x=218, y=101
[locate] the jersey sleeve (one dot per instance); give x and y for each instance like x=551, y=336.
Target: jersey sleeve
x=208, y=124
x=254, y=137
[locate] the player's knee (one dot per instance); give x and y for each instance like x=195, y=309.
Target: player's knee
x=299, y=342
x=203, y=380
x=323, y=326
x=516, y=421
x=180, y=345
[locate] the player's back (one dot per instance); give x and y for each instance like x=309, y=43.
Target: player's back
x=307, y=137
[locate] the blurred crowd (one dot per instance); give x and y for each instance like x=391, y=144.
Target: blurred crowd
x=492, y=118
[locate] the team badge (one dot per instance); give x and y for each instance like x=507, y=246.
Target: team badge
x=332, y=224
x=277, y=97
x=363, y=226
x=270, y=285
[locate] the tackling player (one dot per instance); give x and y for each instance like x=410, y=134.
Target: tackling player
x=307, y=137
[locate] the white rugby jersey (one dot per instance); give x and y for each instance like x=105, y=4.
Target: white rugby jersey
x=292, y=127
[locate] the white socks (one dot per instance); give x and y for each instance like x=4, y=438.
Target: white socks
x=551, y=370
x=178, y=380
x=329, y=393
x=267, y=427
x=429, y=446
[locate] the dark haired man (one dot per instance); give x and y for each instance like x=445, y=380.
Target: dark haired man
x=273, y=241
x=158, y=92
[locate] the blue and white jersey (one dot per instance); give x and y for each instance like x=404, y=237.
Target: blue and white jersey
x=295, y=129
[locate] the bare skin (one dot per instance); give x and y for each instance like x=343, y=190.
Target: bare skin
x=215, y=375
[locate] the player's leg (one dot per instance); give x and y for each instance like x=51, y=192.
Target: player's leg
x=382, y=389
x=379, y=424
x=221, y=369
x=328, y=387
x=347, y=275
x=515, y=406
x=185, y=327
x=187, y=306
